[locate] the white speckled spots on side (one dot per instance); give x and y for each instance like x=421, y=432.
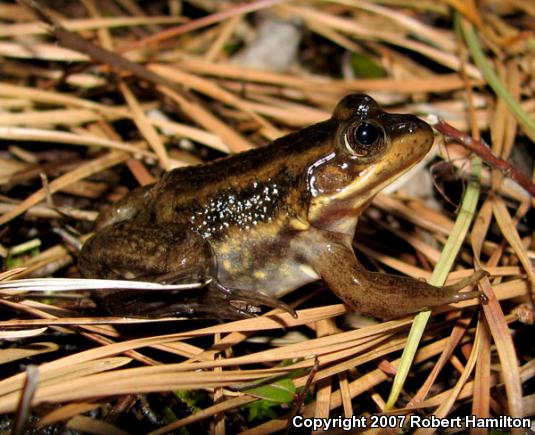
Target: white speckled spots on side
x=226, y=210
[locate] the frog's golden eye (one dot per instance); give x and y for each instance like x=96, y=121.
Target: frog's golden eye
x=364, y=139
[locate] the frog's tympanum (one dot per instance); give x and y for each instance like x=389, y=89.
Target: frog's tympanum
x=265, y=222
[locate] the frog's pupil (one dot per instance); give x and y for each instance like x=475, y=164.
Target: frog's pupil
x=367, y=134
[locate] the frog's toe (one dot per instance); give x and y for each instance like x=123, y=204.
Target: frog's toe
x=483, y=298
x=254, y=298
x=454, y=289
x=477, y=276
x=228, y=311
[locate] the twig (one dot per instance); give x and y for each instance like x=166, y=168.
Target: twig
x=75, y=42
x=481, y=149
x=202, y=22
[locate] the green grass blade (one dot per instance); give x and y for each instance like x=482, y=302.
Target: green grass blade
x=443, y=267
x=492, y=79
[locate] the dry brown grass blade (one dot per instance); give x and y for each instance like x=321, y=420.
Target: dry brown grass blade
x=296, y=114
x=356, y=387
x=273, y=322
x=482, y=384
x=156, y=378
x=43, y=117
x=43, y=52
x=65, y=374
x=205, y=21
x=338, y=87
x=503, y=291
x=85, y=424
x=145, y=379
x=219, y=396
x=216, y=92
x=80, y=25
x=468, y=9
x=203, y=414
x=39, y=135
x=21, y=333
x=53, y=98
x=144, y=126
x=96, y=330
x=76, y=321
x=443, y=410
x=110, y=159
x=481, y=228
x=138, y=115
x=202, y=116
x=227, y=29
x=509, y=231
x=38, y=309
x=67, y=411
x=56, y=256
x=90, y=112
x=21, y=421
x=234, y=338
x=233, y=140
x=11, y=273
x=322, y=374
x=324, y=386
x=426, y=219
x=16, y=353
x=506, y=350
x=345, y=394
x=354, y=28
x=439, y=38
x=511, y=123
x=453, y=340
x=82, y=116
x=466, y=392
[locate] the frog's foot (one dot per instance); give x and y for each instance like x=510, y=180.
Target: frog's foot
x=253, y=297
x=206, y=303
x=454, y=289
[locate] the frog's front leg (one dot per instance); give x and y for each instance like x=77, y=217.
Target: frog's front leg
x=372, y=293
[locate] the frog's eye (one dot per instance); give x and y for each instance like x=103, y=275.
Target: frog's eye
x=364, y=139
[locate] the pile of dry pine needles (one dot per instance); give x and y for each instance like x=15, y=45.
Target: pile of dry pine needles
x=97, y=97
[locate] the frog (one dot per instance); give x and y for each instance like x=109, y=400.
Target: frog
x=256, y=225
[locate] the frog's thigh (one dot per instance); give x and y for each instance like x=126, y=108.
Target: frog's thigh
x=372, y=293
x=150, y=252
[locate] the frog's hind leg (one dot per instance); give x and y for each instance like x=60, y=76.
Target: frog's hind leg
x=156, y=253
x=168, y=254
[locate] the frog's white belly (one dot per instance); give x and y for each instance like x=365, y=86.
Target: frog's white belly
x=273, y=267
x=275, y=279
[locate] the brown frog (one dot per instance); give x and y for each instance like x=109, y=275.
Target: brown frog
x=262, y=223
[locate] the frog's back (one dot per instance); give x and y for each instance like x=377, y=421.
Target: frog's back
x=290, y=152
x=242, y=190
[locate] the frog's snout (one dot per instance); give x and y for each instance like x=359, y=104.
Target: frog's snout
x=425, y=129
x=426, y=132
x=417, y=132
x=413, y=124
x=408, y=125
